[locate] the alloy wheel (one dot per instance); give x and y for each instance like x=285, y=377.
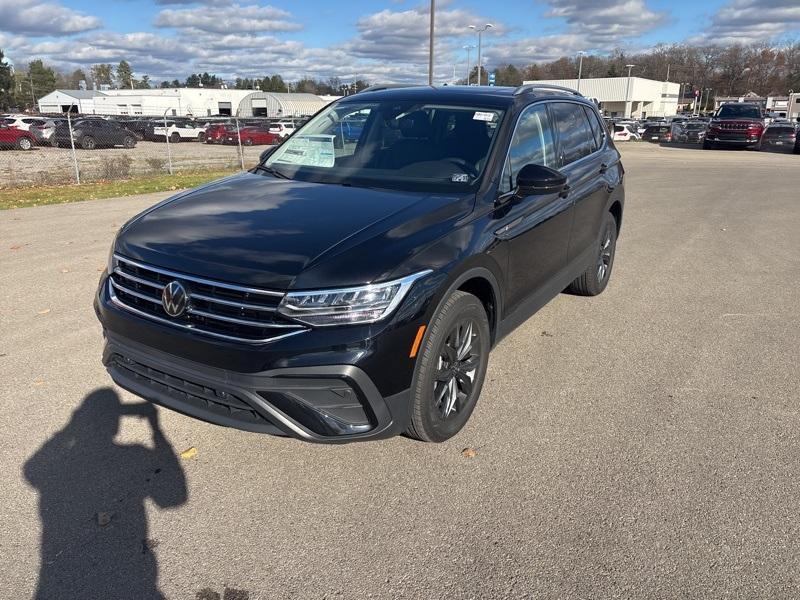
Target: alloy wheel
x=604, y=259
x=457, y=365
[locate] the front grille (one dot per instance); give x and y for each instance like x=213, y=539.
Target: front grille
x=194, y=394
x=214, y=308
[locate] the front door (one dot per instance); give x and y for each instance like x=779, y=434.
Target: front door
x=535, y=228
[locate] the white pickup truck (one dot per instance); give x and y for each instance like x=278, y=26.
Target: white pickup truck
x=181, y=132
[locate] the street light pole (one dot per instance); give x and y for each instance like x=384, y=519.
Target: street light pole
x=580, y=69
x=480, y=33
x=430, y=44
x=628, y=104
x=469, y=65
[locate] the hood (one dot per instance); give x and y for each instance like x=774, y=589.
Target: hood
x=257, y=230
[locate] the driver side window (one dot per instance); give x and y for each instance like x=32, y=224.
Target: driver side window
x=532, y=143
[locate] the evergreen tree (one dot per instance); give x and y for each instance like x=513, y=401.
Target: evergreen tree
x=6, y=83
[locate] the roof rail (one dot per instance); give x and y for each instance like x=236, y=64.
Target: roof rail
x=532, y=87
x=388, y=86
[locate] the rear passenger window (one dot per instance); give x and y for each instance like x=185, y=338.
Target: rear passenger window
x=532, y=144
x=596, y=126
x=574, y=134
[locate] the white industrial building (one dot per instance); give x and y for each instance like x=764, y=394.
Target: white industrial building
x=627, y=97
x=191, y=102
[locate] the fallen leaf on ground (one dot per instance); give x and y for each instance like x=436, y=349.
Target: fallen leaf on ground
x=38, y=382
x=43, y=311
x=189, y=452
x=65, y=270
x=103, y=518
x=469, y=452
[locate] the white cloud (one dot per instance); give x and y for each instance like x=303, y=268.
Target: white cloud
x=745, y=21
x=34, y=18
x=227, y=18
x=605, y=23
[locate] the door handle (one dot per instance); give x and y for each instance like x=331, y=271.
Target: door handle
x=565, y=191
x=603, y=168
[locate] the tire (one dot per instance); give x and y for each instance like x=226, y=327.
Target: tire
x=129, y=142
x=595, y=278
x=201, y=137
x=24, y=143
x=707, y=145
x=175, y=138
x=443, y=398
x=248, y=142
x=88, y=143
x=55, y=144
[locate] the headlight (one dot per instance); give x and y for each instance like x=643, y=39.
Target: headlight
x=364, y=304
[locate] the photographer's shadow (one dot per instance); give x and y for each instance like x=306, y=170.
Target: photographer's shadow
x=92, y=494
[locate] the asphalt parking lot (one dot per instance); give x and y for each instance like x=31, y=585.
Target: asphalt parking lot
x=641, y=444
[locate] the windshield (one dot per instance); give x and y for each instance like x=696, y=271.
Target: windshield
x=399, y=145
x=746, y=111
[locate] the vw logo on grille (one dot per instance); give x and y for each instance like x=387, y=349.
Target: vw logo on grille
x=174, y=299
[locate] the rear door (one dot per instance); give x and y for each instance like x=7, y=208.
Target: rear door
x=536, y=228
x=583, y=158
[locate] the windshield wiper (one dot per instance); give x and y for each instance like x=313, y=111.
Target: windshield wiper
x=273, y=172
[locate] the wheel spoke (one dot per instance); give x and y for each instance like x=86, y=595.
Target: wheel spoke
x=443, y=375
x=469, y=364
x=464, y=382
x=466, y=341
x=452, y=395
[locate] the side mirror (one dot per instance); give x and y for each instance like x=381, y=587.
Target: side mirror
x=538, y=179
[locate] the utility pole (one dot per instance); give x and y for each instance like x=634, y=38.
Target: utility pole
x=430, y=43
x=628, y=103
x=580, y=69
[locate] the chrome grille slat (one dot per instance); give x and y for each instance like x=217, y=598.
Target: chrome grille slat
x=233, y=304
x=202, y=313
x=217, y=309
x=122, y=288
x=121, y=273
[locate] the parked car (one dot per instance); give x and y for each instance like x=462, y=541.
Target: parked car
x=282, y=128
x=341, y=293
x=23, y=122
x=657, y=133
x=217, y=133
x=735, y=124
x=690, y=132
x=778, y=136
x=14, y=137
x=252, y=136
x=180, y=131
x=797, y=142
x=93, y=133
x=43, y=133
x=624, y=133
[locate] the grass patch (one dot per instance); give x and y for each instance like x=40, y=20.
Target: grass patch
x=40, y=195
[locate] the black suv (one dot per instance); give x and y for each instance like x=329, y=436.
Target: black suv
x=93, y=133
x=350, y=289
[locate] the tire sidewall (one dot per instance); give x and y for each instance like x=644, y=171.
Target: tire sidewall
x=609, y=223
x=445, y=317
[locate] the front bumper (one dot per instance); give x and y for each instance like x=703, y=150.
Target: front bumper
x=333, y=403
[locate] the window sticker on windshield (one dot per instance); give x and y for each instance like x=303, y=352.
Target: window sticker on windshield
x=459, y=178
x=483, y=116
x=308, y=151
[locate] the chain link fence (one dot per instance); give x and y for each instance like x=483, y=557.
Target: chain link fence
x=52, y=150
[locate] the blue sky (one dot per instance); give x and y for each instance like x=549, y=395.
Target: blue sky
x=380, y=40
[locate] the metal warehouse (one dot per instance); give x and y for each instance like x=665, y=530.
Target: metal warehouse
x=191, y=102
x=627, y=97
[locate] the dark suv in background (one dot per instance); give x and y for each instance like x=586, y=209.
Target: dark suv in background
x=351, y=286
x=93, y=133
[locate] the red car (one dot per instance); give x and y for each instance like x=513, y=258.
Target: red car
x=217, y=134
x=11, y=137
x=252, y=136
